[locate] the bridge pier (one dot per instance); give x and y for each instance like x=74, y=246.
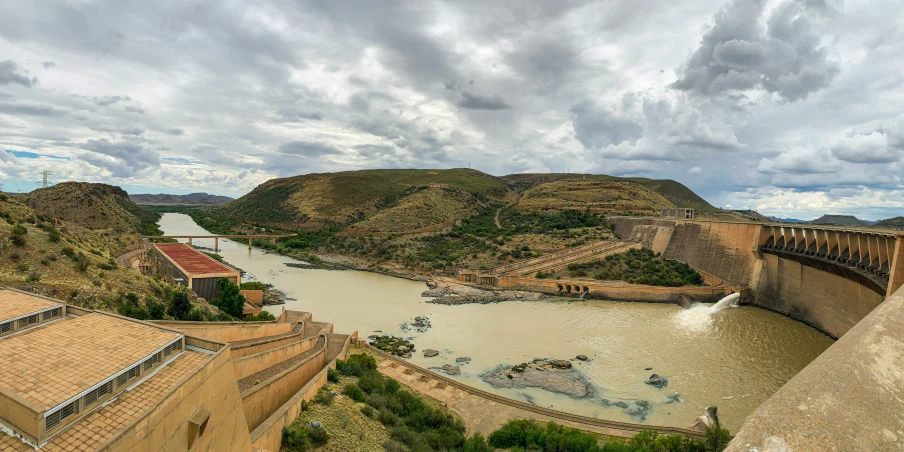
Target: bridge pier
x=249, y=243
x=189, y=241
x=216, y=244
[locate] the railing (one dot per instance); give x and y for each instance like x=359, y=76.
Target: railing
x=624, y=426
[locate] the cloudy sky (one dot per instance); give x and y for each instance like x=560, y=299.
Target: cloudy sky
x=790, y=107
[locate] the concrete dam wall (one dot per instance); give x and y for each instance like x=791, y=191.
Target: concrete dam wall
x=816, y=288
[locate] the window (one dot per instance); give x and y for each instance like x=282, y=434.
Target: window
x=28, y=320
x=58, y=416
x=149, y=363
x=172, y=348
x=55, y=312
x=6, y=327
x=96, y=394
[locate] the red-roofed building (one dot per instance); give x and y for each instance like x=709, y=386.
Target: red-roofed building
x=181, y=264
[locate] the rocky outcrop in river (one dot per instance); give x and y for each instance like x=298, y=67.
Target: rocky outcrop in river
x=452, y=293
x=552, y=375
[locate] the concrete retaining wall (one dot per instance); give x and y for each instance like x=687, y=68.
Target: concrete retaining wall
x=268, y=435
x=728, y=250
x=229, y=331
x=264, y=399
x=264, y=345
x=252, y=364
x=619, y=292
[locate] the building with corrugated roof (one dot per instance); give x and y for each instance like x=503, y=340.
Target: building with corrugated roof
x=181, y=264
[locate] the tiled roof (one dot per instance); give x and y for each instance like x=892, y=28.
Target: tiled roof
x=14, y=304
x=48, y=365
x=99, y=427
x=191, y=260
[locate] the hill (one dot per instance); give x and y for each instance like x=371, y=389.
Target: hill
x=839, y=220
x=890, y=223
x=786, y=220
x=93, y=206
x=675, y=192
x=335, y=200
x=191, y=199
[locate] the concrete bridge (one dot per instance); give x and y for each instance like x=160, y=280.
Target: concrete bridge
x=216, y=238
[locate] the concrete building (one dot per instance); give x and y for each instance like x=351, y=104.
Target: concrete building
x=679, y=213
x=181, y=264
x=76, y=380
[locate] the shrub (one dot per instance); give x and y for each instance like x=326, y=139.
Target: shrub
x=179, y=307
x=129, y=307
x=356, y=365
x=253, y=285
x=368, y=411
x=262, y=316
x=33, y=277
x=229, y=299
x=15, y=256
x=195, y=315
x=318, y=436
x=68, y=252
x=323, y=397
x=353, y=392
x=23, y=267
x=332, y=375
x=81, y=262
x=477, y=443
x=295, y=438
x=53, y=235
x=156, y=309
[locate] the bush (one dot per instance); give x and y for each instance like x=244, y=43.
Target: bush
x=156, y=309
x=129, y=307
x=179, y=307
x=295, y=438
x=477, y=443
x=353, y=392
x=195, y=315
x=368, y=411
x=356, y=365
x=262, y=316
x=323, y=397
x=53, y=235
x=229, y=300
x=253, y=285
x=81, y=262
x=318, y=436
x=33, y=277
x=17, y=235
x=332, y=375
x=68, y=252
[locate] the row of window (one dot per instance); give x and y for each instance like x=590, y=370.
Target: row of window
x=123, y=380
x=25, y=322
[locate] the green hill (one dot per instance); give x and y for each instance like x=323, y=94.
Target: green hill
x=890, y=223
x=317, y=201
x=839, y=220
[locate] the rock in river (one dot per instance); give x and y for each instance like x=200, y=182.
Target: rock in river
x=428, y=353
x=463, y=360
x=657, y=381
x=450, y=369
x=582, y=358
x=551, y=375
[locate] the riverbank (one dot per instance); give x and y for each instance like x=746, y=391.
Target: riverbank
x=447, y=291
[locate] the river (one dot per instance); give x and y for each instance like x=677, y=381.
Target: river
x=734, y=359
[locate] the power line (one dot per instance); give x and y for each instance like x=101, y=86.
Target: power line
x=44, y=174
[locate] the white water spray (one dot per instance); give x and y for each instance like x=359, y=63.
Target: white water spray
x=699, y=318
x=729, y=301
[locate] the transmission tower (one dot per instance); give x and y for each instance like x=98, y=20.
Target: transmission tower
x=45, y=174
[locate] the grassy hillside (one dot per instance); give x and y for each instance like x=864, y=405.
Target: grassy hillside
x=94, y=206
x=839, y=220
x=423, y=209
x=317, y=201
x=604, y=197
x=890, y=223
x=675, y=192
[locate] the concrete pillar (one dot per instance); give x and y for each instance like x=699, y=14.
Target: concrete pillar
x=249, y=243
x=216, y=244
x=896, y=267
x=189, y=241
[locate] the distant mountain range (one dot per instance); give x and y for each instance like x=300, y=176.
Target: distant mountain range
x=164, y=199
x=786, y=220
x=840, y=220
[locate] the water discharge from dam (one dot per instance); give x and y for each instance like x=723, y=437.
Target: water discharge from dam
x=733, y=358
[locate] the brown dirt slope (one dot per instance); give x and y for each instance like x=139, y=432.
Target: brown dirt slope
x=423, y=210
x=598, y=196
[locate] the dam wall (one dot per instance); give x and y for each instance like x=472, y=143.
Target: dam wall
x=823, y=300
x=726, y=250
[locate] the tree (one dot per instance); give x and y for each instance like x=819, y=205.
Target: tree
x=179, y=306
x=229, y=300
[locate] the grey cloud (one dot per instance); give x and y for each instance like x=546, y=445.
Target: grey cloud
x=175, y=131
x=871, y=148
x=299, y=114
x=19, y=107
x=692, y=128
x=452, y=86
x=133, y=130
x=108, y=100
x=738, y=53
x=596, y=127
x=48, y=64
x=135, y=109
x=122, y=158
x=10, y=73
x=473, y=101
x=309, y=149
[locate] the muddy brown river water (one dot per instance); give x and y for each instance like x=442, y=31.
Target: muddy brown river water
x=733, y=359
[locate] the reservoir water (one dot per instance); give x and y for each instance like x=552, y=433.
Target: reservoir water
x=734, y=359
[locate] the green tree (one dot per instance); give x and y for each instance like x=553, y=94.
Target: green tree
x=179, y=305
x=229, y=299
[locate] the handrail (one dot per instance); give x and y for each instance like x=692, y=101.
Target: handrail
x=625, y=426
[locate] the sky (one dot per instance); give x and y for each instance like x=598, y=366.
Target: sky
x=793, y=108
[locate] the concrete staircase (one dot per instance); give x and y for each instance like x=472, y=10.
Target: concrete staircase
x=561, y=259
